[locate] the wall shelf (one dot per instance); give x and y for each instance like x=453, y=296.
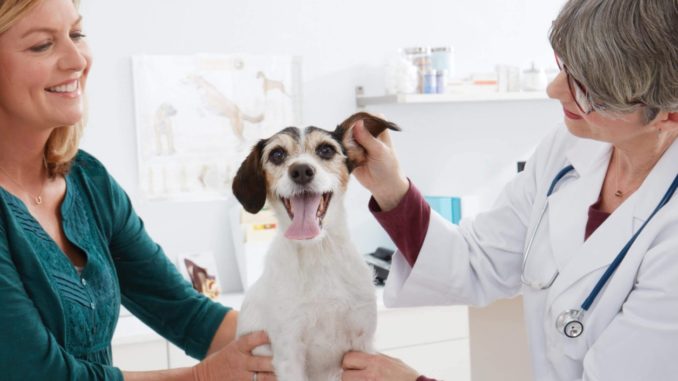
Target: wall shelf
x=363, y=101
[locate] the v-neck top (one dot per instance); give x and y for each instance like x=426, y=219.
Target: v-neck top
x=57, y=323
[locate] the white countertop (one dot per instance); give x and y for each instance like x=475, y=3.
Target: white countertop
x=131, y=330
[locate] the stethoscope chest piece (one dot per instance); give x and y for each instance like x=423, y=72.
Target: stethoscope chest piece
x=569, y=323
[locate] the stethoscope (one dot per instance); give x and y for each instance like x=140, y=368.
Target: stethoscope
x=570, y=322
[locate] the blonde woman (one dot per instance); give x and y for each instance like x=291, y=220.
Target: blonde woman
x=71, y=246
x=588, y=233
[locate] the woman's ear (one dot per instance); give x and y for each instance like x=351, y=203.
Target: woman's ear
x=249, y=184
x=344, y=134
x=667, y=122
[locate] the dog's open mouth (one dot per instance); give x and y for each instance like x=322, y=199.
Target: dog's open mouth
x=306, y=210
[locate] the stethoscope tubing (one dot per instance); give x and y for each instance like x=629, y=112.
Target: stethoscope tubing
x=528, y=249
x=620, y=257
x=575, y=316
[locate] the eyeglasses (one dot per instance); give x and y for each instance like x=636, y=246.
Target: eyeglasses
x=584, y=102
x=578, y=91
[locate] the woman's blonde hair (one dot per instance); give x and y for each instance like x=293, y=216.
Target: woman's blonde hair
x=63, y=143
x=625, y=52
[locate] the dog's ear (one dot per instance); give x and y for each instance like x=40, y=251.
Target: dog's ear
x=344, y=133
x=249, y=184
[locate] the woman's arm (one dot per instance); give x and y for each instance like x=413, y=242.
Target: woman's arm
x=381, y=174
x=232, y=362
x=225, y=333
x=154, y=291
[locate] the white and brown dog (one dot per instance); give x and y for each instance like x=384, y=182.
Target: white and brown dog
x=315, y=297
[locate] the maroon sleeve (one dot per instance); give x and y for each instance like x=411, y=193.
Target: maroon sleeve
x=424, y=378
x=407, y=223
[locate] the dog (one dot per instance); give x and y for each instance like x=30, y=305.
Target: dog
x=270, y=84
x=163, y=129
x=315, y=297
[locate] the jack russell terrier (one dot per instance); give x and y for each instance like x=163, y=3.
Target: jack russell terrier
x=315, y=297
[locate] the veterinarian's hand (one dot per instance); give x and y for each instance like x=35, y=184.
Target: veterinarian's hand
x=360, y=366
x=235, y=362
x=381, y=173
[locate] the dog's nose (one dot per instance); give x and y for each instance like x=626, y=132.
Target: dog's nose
x=301, y=174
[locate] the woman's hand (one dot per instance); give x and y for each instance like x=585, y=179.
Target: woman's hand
x=381, y=173
x=235, y=362
x=360, y=366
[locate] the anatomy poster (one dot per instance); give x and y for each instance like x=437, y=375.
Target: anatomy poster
x=197, y=117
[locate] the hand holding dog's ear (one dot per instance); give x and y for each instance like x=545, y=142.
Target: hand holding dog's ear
x=380, y=173
x=372, y=123
x=236, y=362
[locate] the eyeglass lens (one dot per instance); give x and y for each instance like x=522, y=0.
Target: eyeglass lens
x=578, y=93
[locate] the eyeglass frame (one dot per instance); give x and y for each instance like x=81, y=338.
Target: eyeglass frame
x=577, y=90
x=581, y=95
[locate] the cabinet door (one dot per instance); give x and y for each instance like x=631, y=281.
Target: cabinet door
x=140, y=356
x=178, y=358
x=447, y=360
x=400, y=327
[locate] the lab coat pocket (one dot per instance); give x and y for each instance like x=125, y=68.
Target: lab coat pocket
x=575, y=348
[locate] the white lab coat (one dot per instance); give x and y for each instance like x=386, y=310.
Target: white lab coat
x=631, y=331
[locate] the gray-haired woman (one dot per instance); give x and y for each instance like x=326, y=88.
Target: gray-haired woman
x=588, y=233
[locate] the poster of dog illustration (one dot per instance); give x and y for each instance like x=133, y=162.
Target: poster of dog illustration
x=198, y=115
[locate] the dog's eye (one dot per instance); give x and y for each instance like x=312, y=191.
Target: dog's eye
x=277, y=156
x=325, y=151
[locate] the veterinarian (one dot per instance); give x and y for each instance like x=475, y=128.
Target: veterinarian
x=588, y=233
x=71, y=246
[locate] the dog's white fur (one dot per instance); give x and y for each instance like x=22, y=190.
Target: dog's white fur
x=315, y=298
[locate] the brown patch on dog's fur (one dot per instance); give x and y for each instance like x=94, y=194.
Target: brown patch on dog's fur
x=315, y=137
x=249, y=184
x=290, y=143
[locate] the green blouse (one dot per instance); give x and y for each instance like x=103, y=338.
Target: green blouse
x=56, y=324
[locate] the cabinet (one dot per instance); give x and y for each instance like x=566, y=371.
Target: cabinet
x=433, y=340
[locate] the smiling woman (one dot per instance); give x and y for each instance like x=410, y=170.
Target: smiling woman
x=62, y=144
x=71, y=246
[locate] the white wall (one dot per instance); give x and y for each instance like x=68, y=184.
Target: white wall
x=445, y=149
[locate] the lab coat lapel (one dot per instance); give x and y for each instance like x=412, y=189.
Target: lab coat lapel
x=655, y=185
x=568, y=213
x=568, y=205
x=608, y=240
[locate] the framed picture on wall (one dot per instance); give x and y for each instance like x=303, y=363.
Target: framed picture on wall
x=201, y=270
x=197, y=117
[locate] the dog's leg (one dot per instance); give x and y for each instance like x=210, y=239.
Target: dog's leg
x=289, y=359
x=363, y=324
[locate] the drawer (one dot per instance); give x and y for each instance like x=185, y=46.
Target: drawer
x=136, y=347
x=399, y=327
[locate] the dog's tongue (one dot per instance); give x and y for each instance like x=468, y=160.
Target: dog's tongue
x=305, y=223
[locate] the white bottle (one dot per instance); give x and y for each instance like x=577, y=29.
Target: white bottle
x=534, y=79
